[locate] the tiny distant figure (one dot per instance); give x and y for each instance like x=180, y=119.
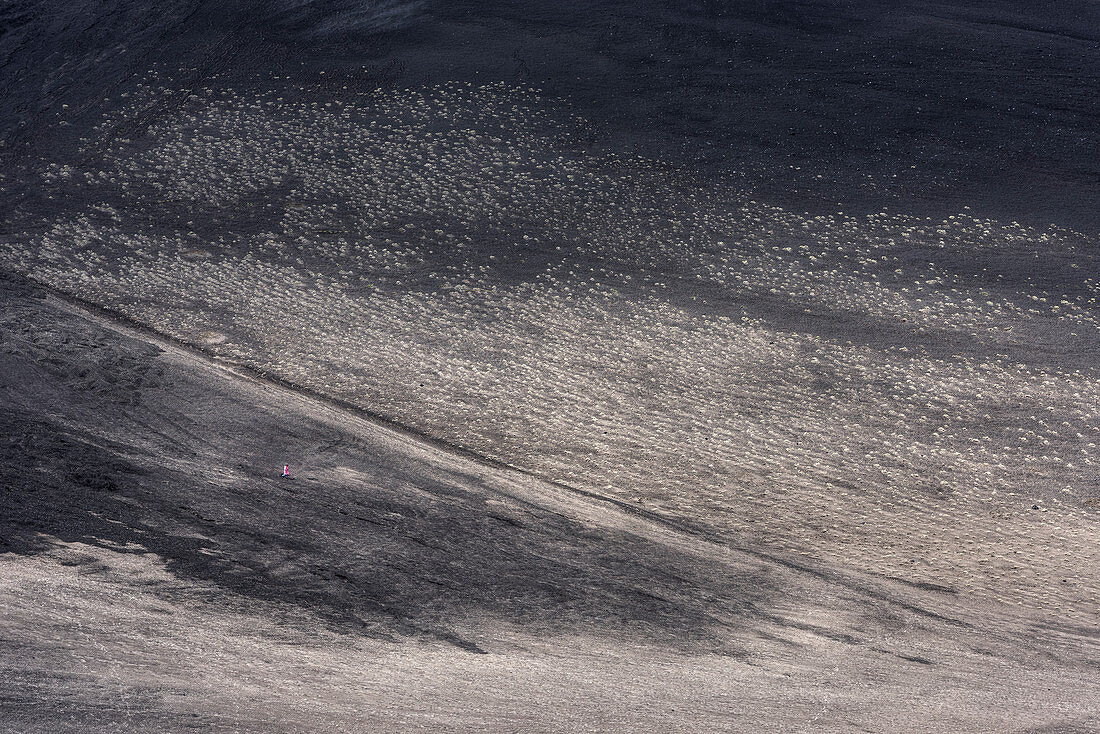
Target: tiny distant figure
x=286, y=470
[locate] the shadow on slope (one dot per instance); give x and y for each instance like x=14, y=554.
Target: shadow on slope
x=107, y=443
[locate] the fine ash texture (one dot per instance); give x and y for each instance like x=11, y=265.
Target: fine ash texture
x=443, y=258
x=786, y=313
x=159, y=575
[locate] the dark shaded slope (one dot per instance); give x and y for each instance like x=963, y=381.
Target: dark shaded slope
x=924, y=107
x=107, y=444
x=918, y=106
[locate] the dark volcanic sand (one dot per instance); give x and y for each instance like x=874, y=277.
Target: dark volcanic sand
x=604, y=244
x=925, y=108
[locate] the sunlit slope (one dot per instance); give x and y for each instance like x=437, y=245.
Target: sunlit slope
x=158, y=574
x=917, y=397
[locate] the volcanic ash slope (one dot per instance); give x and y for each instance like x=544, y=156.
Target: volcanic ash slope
x=157, y=574
x=890, y=392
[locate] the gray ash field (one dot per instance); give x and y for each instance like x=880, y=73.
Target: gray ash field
x=746, y=358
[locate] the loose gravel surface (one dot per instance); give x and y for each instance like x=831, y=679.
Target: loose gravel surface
x=877, y=389
x=751, y=346
x=158, y=573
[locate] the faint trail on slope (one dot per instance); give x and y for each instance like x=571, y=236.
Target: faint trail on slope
x=555, y=496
